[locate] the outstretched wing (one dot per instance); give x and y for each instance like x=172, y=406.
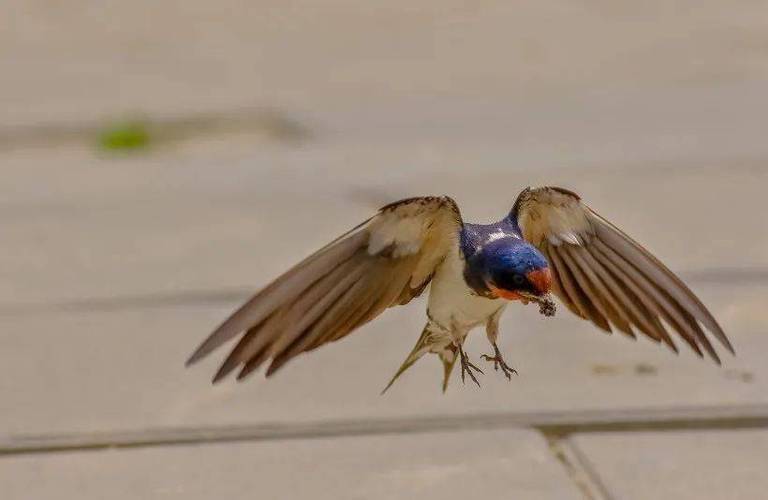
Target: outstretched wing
x=603, y=275
x=385, y=261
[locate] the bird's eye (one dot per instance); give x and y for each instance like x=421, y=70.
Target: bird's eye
x=518, y=279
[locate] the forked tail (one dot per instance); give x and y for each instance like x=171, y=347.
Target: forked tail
x=424, y=345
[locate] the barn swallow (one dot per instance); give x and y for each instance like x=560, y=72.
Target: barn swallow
x=550, y=242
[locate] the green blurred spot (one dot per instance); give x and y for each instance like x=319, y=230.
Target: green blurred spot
x=124, y=136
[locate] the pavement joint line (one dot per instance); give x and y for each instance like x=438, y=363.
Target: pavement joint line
x=578, y=469
x=137, y=301
x=227, y=296
x=556, y=425
x=274, y=122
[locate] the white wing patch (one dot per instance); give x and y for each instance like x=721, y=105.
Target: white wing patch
x=548, y=214
x=404, y=236
x=559, y=239
x=428, y=225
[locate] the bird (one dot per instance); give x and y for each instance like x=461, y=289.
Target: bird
x=550, y=243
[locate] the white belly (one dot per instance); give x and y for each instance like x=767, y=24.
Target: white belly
x=452, y=305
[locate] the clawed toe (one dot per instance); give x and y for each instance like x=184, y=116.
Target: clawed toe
x=467, y=367
x=499, y=363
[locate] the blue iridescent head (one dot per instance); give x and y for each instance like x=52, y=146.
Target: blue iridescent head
x=515, y=269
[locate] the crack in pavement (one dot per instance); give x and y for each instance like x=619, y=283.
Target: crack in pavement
x=554, y=425
x=577, y=468
x=229, y=296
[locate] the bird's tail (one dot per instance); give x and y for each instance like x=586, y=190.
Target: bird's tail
x=448, y=358
x=424, y=345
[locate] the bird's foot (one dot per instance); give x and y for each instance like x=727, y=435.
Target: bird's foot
x=467, y=366
x=498, y=362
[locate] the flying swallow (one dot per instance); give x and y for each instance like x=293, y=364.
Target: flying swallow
x=550, y=242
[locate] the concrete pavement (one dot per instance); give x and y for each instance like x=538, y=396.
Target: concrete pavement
x=113, y=267
x=449, y=465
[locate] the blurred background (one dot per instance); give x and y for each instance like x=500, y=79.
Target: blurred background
x=160, y=161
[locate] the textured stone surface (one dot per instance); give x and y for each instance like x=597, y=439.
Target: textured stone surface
x=123, y=369
x=92, y=57
x=113, y=267
x=168, y=223
x=450, y=466
x=707, y=465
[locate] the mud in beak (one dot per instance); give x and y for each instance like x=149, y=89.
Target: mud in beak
x=546, y=304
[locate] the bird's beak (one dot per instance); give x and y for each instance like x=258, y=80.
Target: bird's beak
x=520, y=295
x=505, y=294
x=541, y=279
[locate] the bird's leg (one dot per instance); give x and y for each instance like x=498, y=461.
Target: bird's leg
x=492, y=330
x=457, y=336
x=467, y=366
x=498, y=362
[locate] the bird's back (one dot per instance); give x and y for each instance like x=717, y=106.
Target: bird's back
x=475, y=236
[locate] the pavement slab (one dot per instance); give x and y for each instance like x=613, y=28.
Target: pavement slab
x=114, y=266
x=117, y=369
x=706, y=465
x=165, y=223
x=77, y=62
x=457, y=465
x=120, y=266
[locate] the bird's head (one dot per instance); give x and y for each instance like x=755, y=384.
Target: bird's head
x=516, y=272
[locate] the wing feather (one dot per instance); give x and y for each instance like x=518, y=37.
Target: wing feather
x=284, y=289
x=565, y=281
x=657, y=271
x=284, y=351
x=646, y=308
x=605, y=276
x=352, y=305
x=597, y=291
x=385, y=261
x=629, y=308
x=660, y=303
x=315, y=302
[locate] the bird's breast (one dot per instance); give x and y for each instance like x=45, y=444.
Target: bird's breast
x=452, y=303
